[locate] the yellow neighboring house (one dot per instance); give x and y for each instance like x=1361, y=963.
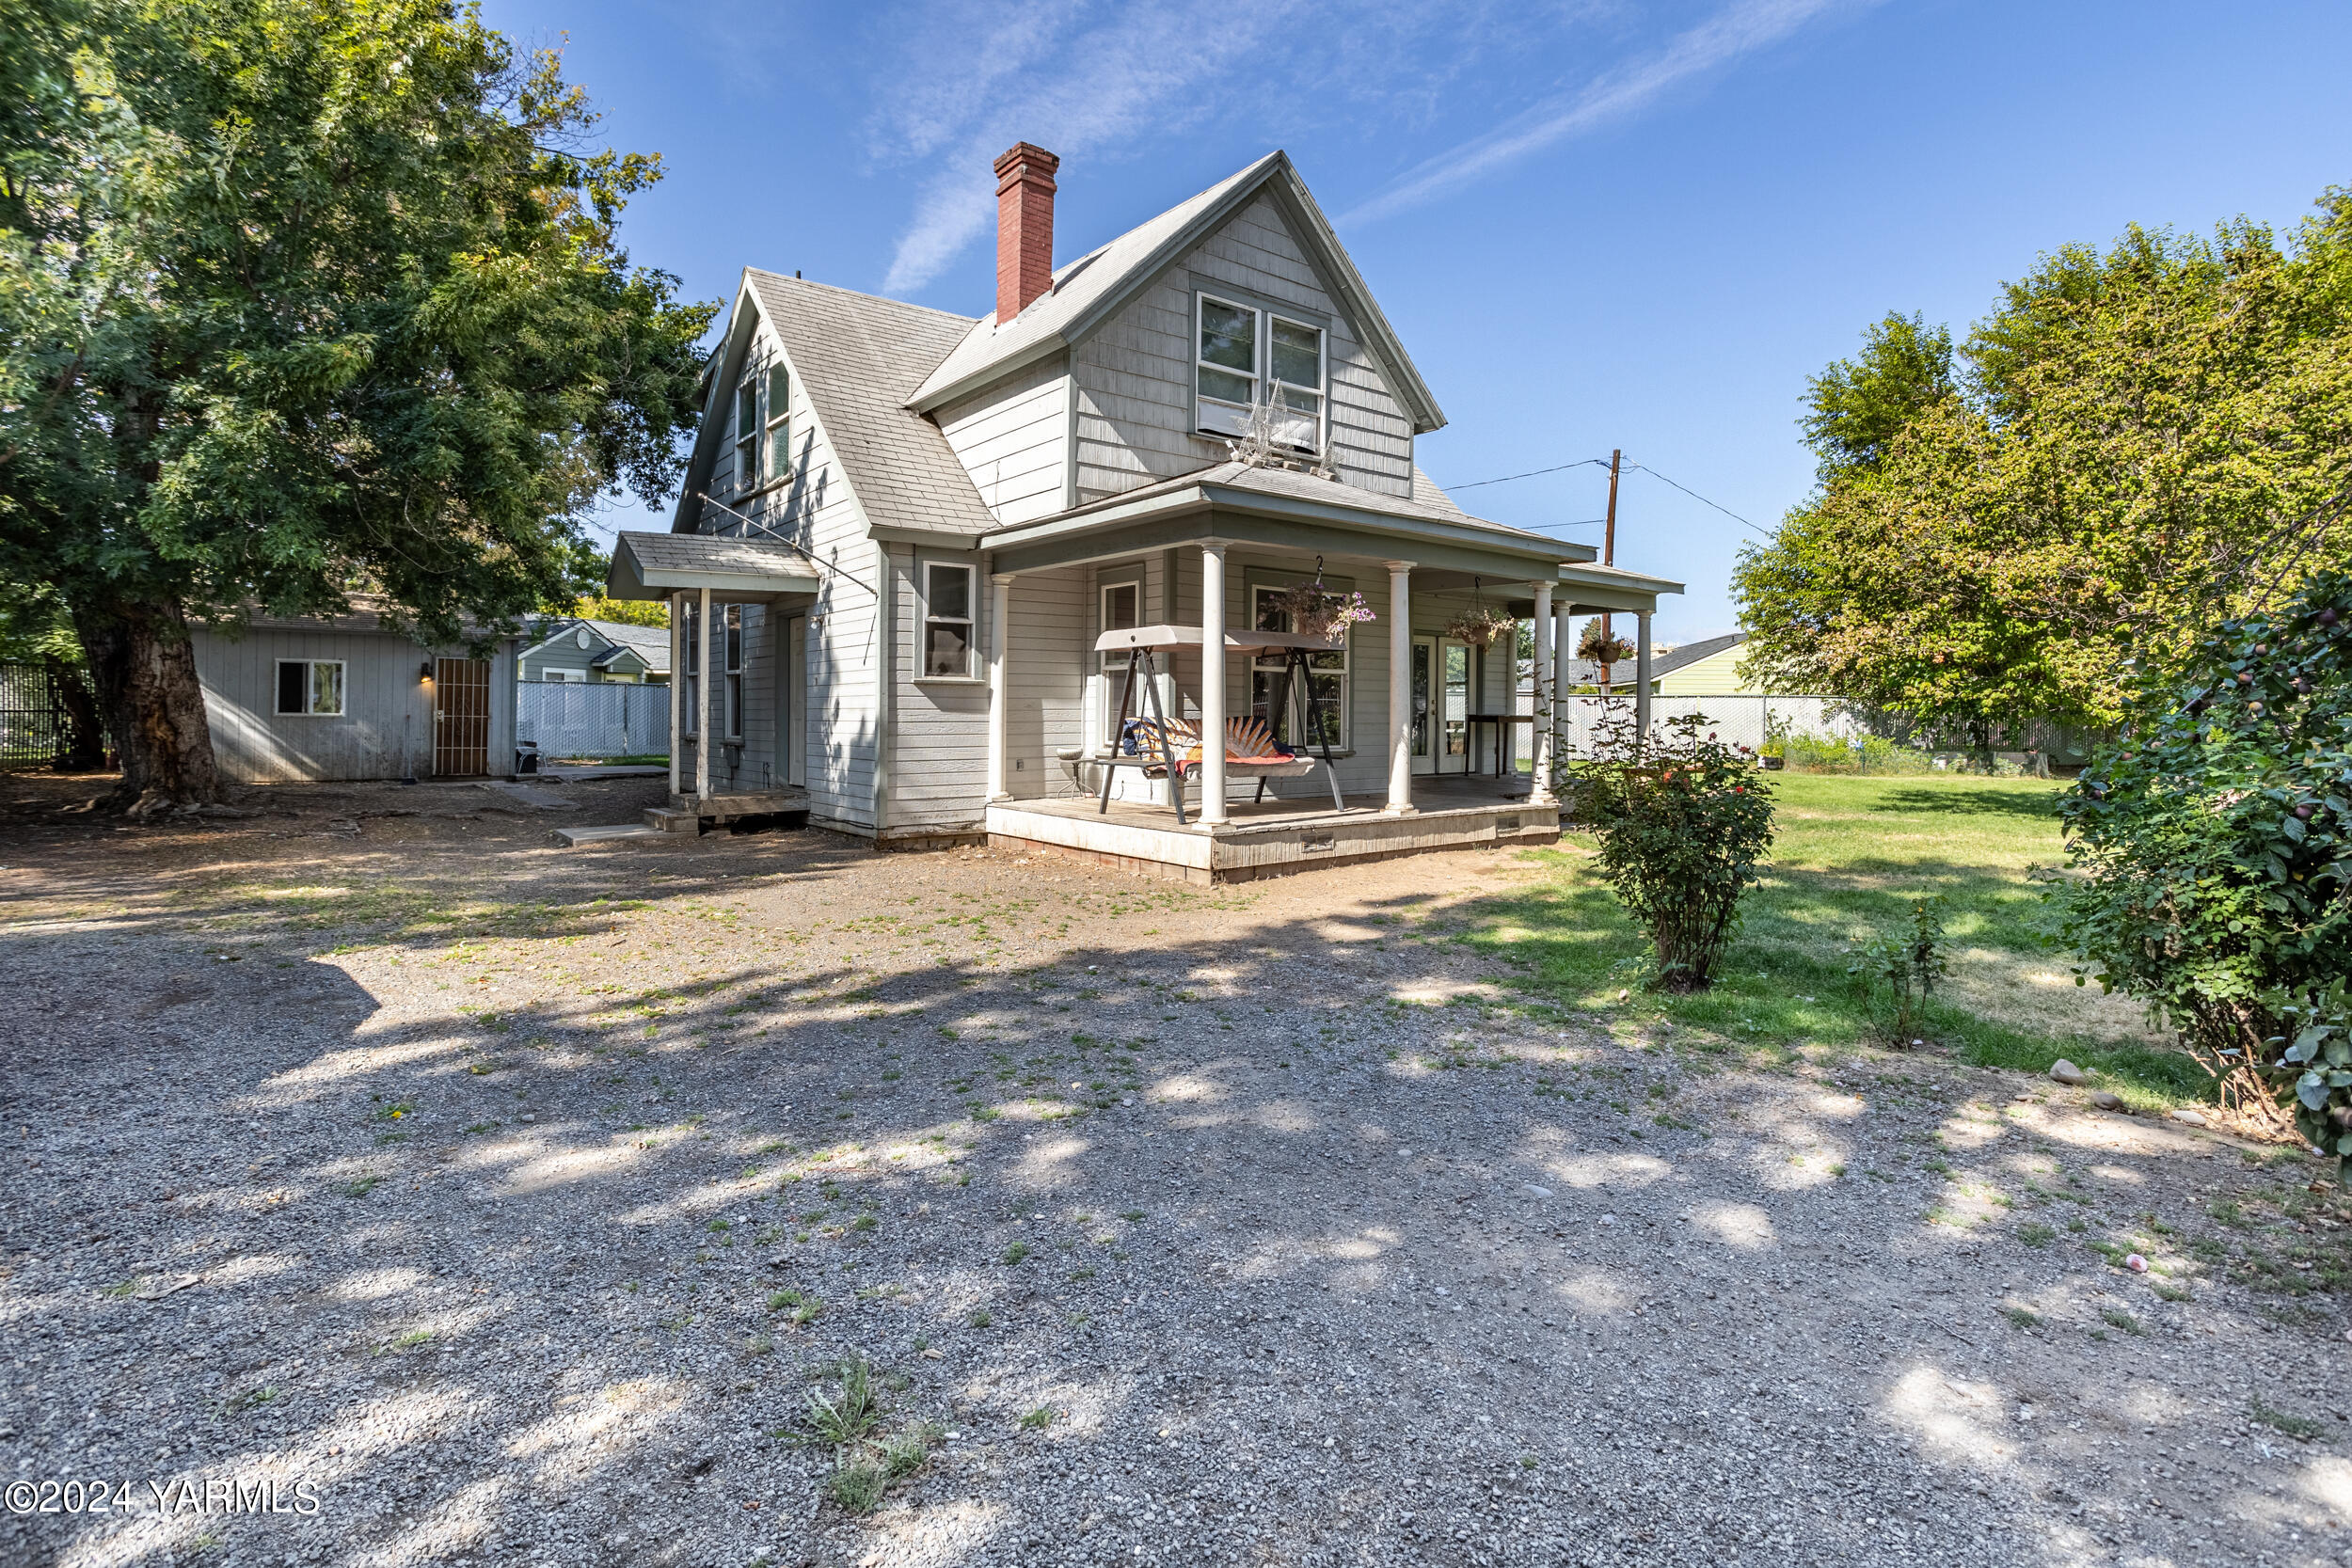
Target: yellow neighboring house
x=1709, y=668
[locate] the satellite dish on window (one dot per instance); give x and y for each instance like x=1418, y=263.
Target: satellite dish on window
x=580, y=637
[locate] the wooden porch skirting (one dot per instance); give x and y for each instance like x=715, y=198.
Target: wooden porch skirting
x=1246, y=850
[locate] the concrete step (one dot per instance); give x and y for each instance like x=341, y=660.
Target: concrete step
x=673, y=819
x=617, y=832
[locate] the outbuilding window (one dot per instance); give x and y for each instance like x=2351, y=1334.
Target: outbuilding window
x=311, y=686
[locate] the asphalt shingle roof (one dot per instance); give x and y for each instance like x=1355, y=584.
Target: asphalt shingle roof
x=859, y=359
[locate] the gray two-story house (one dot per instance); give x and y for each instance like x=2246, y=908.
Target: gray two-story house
x=907, y=535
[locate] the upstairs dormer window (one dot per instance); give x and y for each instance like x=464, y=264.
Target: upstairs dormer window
x=1246, y=358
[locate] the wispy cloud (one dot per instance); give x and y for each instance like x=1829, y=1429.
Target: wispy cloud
x=1100, y=80
x=1740, y=29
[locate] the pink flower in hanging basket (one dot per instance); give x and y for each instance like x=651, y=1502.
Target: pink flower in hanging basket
x=1314, y=611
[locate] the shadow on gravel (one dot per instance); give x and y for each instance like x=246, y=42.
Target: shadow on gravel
x=1292, y=1265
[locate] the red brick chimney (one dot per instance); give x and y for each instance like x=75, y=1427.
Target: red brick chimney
x=1025, y=226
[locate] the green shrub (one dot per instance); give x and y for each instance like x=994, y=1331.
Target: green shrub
x=2212, y=869
x=1690, y=822
x=1908, y=965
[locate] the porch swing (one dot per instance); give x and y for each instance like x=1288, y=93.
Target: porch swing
x=1169, y=748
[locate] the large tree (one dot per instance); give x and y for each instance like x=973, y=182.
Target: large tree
x=301, y=299
x=2133, y=444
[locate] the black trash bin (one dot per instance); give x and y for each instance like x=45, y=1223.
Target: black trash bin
x=526, y=756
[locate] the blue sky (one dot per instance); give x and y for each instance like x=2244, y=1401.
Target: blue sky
x=1594, y=225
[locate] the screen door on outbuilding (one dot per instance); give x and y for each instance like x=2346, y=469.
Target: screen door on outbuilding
x=461, y=716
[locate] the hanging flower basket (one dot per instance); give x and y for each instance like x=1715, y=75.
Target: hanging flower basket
x=1314, y=611
x=1480, y=628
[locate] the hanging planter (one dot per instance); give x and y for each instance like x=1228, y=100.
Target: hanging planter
x=1314, y=611
x=1482, y=624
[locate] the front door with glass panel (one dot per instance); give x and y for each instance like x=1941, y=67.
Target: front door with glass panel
x=1440, y=697
x=1422, y=692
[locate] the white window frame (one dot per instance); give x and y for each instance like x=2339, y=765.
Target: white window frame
x=747, y=440
x=776, y=428
x=730, y=631
x=310, y=689
x=562, y=674
x=1345, y=669
x=970, y=622
x=693, y=698
x=1112, y=665
x=1233, y=419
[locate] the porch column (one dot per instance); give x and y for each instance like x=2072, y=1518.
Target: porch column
x=999, y=602
x=1212, y=685
x=678, y=683
x=702, y=699
x=1400, y=688
x=1562, y=667
x=1640, y=676
x=1541, y=727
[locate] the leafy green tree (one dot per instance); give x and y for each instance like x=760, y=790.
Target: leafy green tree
x=301, y=299
x=1857, y=407
x=2134, y=443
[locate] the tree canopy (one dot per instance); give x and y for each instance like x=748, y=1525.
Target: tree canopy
x=2133, y=444
x=301, y=299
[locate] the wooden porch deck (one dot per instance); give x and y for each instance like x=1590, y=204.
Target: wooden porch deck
x=1272, y=837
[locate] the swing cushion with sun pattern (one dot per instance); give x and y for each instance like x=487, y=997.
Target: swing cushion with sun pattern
x=1249, y=744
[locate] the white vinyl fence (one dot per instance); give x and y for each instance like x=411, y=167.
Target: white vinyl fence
x=570, y=719
x=1740, y=720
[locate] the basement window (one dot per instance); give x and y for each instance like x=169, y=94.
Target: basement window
x=313, y=687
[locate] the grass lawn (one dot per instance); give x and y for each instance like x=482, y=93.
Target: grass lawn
x=1850, y=855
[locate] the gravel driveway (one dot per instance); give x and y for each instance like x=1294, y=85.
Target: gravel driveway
x=384, y=1185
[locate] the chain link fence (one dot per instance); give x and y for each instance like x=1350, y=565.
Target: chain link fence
x=577, y=719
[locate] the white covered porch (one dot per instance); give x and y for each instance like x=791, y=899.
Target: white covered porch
x=1427, y=750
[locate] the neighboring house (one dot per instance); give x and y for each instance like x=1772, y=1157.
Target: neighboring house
x=904, y=531
x=1708, y=667
x=576, y=649
x=342, y=697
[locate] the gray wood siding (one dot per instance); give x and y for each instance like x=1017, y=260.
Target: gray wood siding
x=1013, y=439
x=385, y=730
x=939, y=744
x=1133, y=378
x=817, y=511
x=1045, y=689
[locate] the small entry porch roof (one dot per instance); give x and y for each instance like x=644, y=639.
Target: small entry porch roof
x=736, y=571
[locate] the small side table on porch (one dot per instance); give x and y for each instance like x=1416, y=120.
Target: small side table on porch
x=1506, y=738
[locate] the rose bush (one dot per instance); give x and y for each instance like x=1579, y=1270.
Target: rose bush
x=1684, y=821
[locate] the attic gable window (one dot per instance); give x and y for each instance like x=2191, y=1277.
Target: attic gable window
x=1245, y=355
x=778, y=428
x=747, y=434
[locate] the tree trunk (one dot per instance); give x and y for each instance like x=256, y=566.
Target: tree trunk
x=144, y=669
x=86, y=731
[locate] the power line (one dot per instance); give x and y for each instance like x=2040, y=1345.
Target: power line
x=1603, y=463
x=1581, y=463
x=1644, y=468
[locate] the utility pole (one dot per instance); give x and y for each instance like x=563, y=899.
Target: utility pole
x=1609, y=558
